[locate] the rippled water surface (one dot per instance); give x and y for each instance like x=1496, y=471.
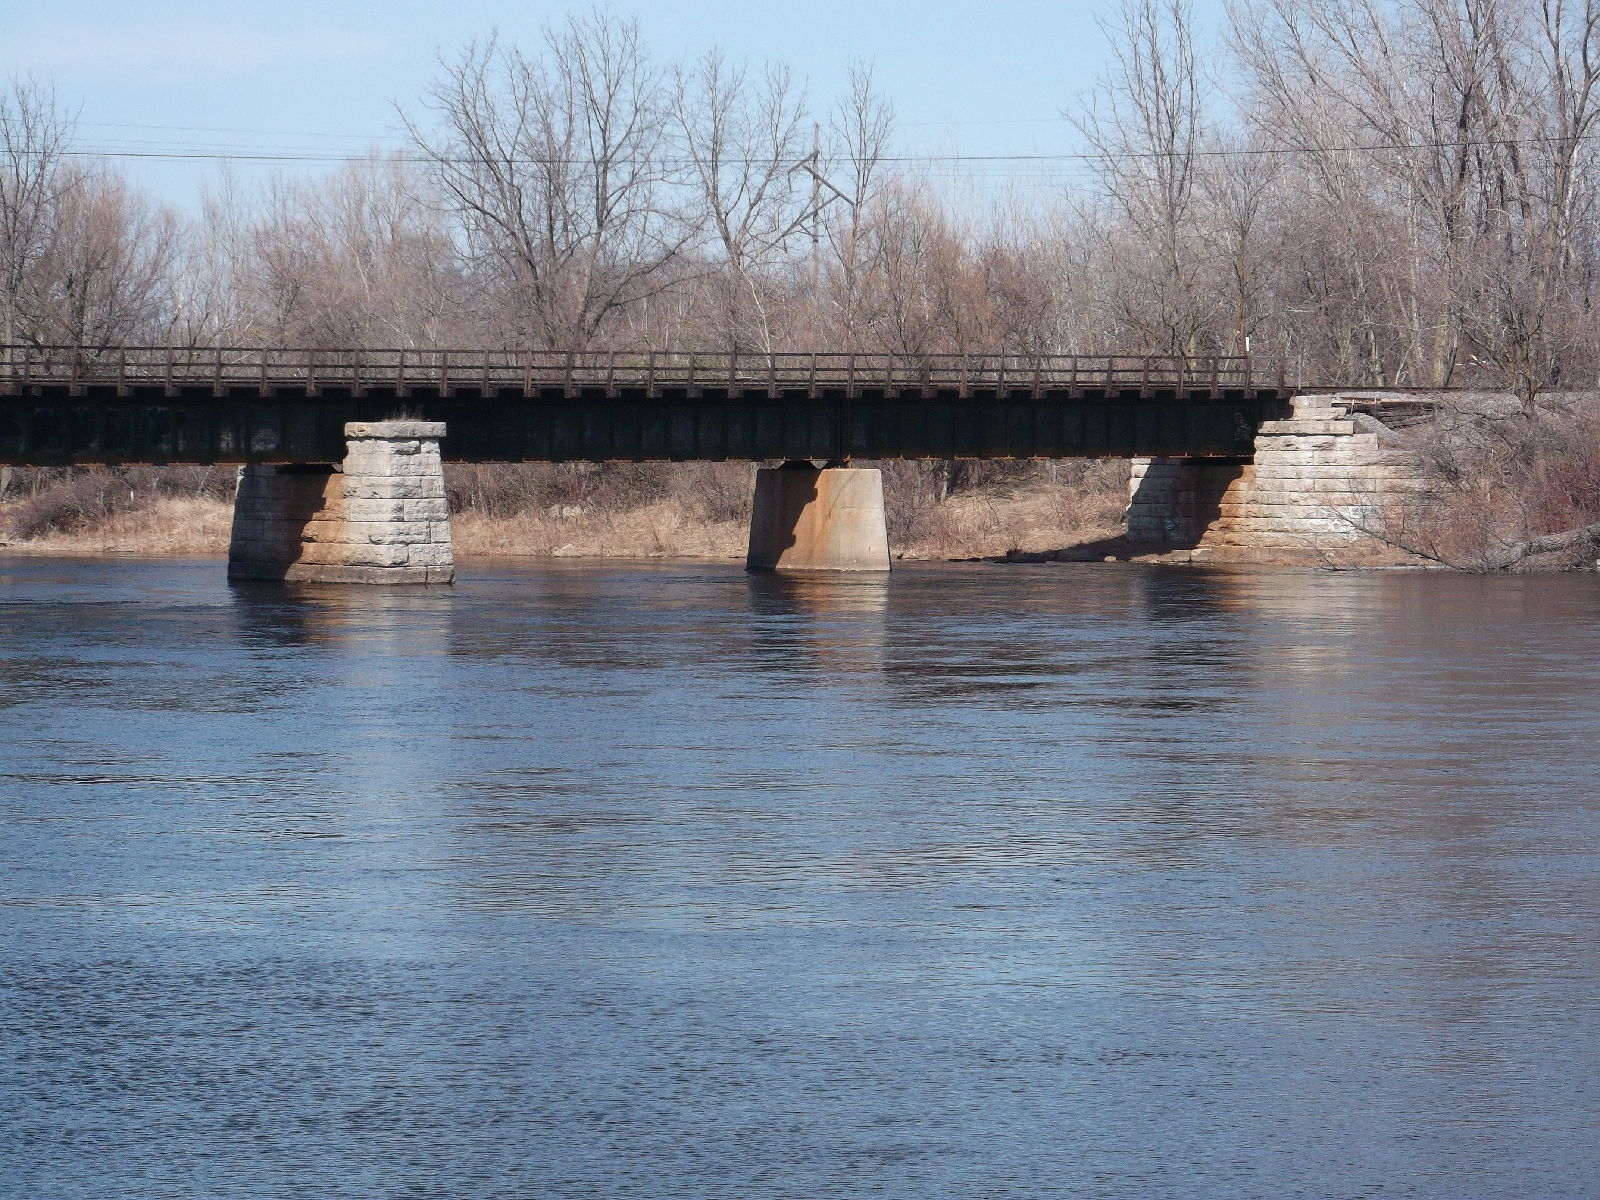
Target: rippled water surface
x=662, y=881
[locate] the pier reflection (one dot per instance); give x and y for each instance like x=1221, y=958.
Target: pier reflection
x=801, y=620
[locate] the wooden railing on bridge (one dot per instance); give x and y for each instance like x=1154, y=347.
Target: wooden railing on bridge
x=30, y=370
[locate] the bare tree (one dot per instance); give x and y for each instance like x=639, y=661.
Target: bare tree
x=920, y=290
x=33, y=143
x=1471, y=119
x=1146, y=126
x=1238, y=186
x=105, y=275
x=356, y=259
x=559, y=172
x=743, y=140
x=1525, y=294
x=845, y=186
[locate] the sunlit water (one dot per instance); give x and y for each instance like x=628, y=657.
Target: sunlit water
x=662, y=881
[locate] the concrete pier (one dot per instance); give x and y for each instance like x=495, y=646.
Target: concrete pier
x=811, y=519
x=378, y=517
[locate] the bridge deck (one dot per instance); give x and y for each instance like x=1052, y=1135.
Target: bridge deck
x=221, y=404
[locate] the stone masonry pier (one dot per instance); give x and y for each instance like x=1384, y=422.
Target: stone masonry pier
x=379, y=516
x=1316, y=486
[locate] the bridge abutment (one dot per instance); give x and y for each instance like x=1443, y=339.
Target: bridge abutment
x=1316, y=486
x=811, y=519
x=1174, y=502
x=378, y=517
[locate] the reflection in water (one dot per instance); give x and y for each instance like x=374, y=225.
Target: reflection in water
x=655, y=881
x=803, y=620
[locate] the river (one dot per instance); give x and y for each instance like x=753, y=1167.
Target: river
x=658, y=880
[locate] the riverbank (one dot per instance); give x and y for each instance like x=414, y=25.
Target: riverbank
x=1031, y=517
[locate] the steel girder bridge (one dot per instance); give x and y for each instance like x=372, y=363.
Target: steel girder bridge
x=217, y=404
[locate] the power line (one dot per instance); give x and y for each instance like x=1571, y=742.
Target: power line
x=225, y=129
x=1021, y=162
x=1058, y=120
x=952, y=159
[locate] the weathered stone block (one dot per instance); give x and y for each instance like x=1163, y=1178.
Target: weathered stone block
x=370, y=487
x=304, y=573
x=394, y=533
x=1296, y=427
x=436, y=554
x=394, y=430
x=361, y=509
x=373, y=556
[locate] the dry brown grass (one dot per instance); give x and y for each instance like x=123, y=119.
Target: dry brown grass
x=979, y=524
x=1037, y=518
x=167, y=525
x=659, y=530
x=1031, y=515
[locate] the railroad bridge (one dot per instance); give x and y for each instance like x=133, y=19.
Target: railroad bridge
x=340, y=450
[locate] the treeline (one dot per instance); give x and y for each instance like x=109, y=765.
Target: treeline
x=1384, y=191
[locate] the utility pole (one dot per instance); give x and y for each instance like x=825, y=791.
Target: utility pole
x=816, y=215
x=812, y=165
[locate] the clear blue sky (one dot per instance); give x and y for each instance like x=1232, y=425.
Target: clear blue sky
x=301, y=75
